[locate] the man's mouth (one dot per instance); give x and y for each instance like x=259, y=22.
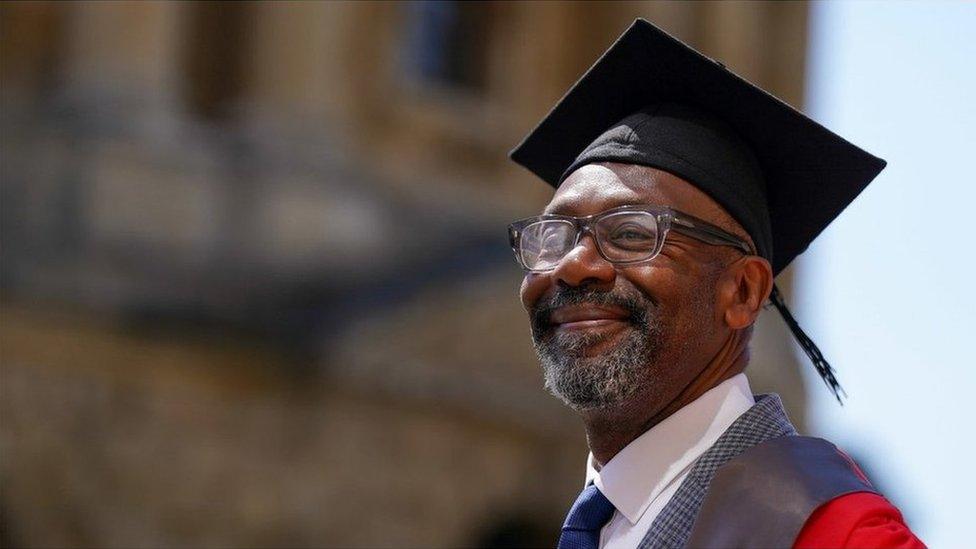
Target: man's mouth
x=588, y=317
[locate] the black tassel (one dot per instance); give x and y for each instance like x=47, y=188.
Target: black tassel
x=809, y=347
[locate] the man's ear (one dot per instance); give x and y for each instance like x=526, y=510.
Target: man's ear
x=743, y=289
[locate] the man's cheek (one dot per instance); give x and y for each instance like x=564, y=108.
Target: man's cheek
x=533, y=286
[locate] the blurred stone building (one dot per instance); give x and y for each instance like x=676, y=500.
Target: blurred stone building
x=255, y=285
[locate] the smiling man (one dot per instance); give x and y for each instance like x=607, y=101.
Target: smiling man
x=681, y=191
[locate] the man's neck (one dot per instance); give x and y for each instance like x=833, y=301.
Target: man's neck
x=609, y=431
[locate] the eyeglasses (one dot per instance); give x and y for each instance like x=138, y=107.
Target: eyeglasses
x=624, y=235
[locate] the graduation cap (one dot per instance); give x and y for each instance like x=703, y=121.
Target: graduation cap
x=652, y=100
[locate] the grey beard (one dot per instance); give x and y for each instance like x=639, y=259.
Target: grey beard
x=611, y=378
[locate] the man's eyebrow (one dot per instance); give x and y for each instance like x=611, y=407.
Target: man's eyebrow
x=574, y=209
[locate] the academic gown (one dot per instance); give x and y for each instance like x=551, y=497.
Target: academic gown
x=859, y=520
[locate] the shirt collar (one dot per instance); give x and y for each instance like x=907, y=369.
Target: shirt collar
x=634, y=477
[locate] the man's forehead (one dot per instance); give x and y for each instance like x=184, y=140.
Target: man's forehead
x=597, y=187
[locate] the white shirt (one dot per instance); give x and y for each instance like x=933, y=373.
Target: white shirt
x=642, y=477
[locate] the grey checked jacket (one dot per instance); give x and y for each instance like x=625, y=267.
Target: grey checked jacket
x=765, y=420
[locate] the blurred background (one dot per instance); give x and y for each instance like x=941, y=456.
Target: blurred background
x=256, y=289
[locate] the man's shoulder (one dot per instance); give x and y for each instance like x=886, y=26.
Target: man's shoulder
x=812, y=465
x=765, y=495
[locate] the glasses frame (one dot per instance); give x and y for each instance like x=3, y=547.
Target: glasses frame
x=667, y=219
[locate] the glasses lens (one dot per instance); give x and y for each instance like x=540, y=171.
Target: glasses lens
x=544, y=243
x=628, y=236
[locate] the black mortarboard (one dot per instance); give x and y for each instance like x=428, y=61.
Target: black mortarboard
x=652, y=100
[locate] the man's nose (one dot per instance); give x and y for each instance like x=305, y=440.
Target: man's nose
x=584, y=264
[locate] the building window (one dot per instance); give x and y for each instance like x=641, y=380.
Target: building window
x=446, y=44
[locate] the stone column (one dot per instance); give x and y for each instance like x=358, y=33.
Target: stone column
x=125, y=55
x=297, y=68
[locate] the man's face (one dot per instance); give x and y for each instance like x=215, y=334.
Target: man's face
x=608, y=335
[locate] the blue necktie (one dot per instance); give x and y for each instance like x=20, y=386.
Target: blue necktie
x=582, y=528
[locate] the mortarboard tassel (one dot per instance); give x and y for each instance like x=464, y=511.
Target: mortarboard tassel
x=809, y=347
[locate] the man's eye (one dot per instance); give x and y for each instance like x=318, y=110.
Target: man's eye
x=630, y=232
x=632, y=237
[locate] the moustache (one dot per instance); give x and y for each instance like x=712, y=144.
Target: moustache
x=635, y=306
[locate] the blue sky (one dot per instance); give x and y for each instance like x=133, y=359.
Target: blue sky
x=887, y=290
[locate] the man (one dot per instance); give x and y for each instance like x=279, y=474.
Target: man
x=681, y=191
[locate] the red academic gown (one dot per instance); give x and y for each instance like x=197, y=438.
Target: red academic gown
x=859, y=520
